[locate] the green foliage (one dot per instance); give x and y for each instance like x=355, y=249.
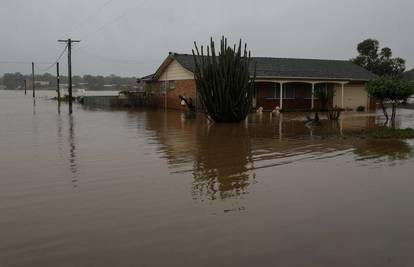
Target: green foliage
x=224, y=82
x=190, y=114
x=324, y=96
x=392, y=90
x=409, y=75
x=16, y=81
x=13, y=81
x=360, y=109
x=379, y=62
x=334, y=113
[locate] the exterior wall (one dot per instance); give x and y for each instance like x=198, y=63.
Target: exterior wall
x=185, y=88
x=355, y=95
x=176, y=72
x=184, y=85
x=267, y=100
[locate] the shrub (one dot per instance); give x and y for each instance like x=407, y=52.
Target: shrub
x=390, y=89
x=224, y=82
x=360, y=109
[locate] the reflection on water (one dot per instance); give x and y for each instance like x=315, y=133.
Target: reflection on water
x=223, y=170
x=391, y=151
x=224, y=157
x=154, y=189
x=72, y=153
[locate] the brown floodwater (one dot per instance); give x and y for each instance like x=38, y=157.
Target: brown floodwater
x=148, y=188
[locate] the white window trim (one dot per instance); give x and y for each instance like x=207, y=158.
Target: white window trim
x=172, y=82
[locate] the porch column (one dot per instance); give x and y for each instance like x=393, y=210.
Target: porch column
x=281, y=95
x=313, y=96
x=342, y=95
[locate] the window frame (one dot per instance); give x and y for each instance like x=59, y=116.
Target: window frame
x=277, y=91
x=172, y=82
x=163, y=87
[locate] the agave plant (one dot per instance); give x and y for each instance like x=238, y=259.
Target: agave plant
x=224, y=82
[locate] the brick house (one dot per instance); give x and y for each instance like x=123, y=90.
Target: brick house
x=284, y=82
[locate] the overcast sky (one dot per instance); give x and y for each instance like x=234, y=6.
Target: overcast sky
x=132, y=37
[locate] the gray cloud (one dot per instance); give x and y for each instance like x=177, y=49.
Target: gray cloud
x=132, y=37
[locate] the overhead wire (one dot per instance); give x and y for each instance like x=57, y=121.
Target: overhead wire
x=54, y=63
x=90, y=17
x=14, y=62
x=121, y=61
x=116, y=19
x=125, y=14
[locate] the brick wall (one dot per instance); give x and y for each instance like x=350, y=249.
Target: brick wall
x=265, y=96
x=185, y=88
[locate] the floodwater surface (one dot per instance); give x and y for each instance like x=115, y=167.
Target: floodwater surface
x=149, y=188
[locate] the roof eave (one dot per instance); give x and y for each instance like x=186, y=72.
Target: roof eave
x=167, y=61
x=311, y=78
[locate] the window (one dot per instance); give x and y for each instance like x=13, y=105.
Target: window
x=308, y=91
x=163, y=87
x=266, y=90
x=171, y=84
x=289, y=91
x=318, y=87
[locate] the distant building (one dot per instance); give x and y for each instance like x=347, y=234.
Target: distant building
x=144, y=83
x=42, y=83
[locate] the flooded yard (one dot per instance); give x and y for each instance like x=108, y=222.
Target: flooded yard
x=149, y=188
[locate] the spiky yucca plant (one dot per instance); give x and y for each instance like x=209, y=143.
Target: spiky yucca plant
x=224, y=82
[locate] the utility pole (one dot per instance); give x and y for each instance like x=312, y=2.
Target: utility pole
x=25, y=87
x=33, y=80
x=69, y=44
x=58, y=83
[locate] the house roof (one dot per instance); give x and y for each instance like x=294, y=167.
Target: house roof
x=296, y=68
x=146, y=78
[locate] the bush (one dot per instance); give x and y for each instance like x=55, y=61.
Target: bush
x=190, y=114
x=334, y=113
x=392, y=90
x=224, y=81
x=360, y=109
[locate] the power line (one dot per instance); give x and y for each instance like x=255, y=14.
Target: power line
x=14, y=62
x=90, y=17
x=54, y=63
x=21, y=62
x=121, y=61
x=116, y=19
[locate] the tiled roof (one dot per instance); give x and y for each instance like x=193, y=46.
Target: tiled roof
x=297, y=68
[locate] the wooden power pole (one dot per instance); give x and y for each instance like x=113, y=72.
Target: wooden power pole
x=33, y=80
x=69, y=44
x=58, y=82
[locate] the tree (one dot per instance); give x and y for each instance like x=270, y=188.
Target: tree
x=324, y=95
x=409, y=75
x=224, y=82
x=13, y=81
x=378, y=61
x=390, y=89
